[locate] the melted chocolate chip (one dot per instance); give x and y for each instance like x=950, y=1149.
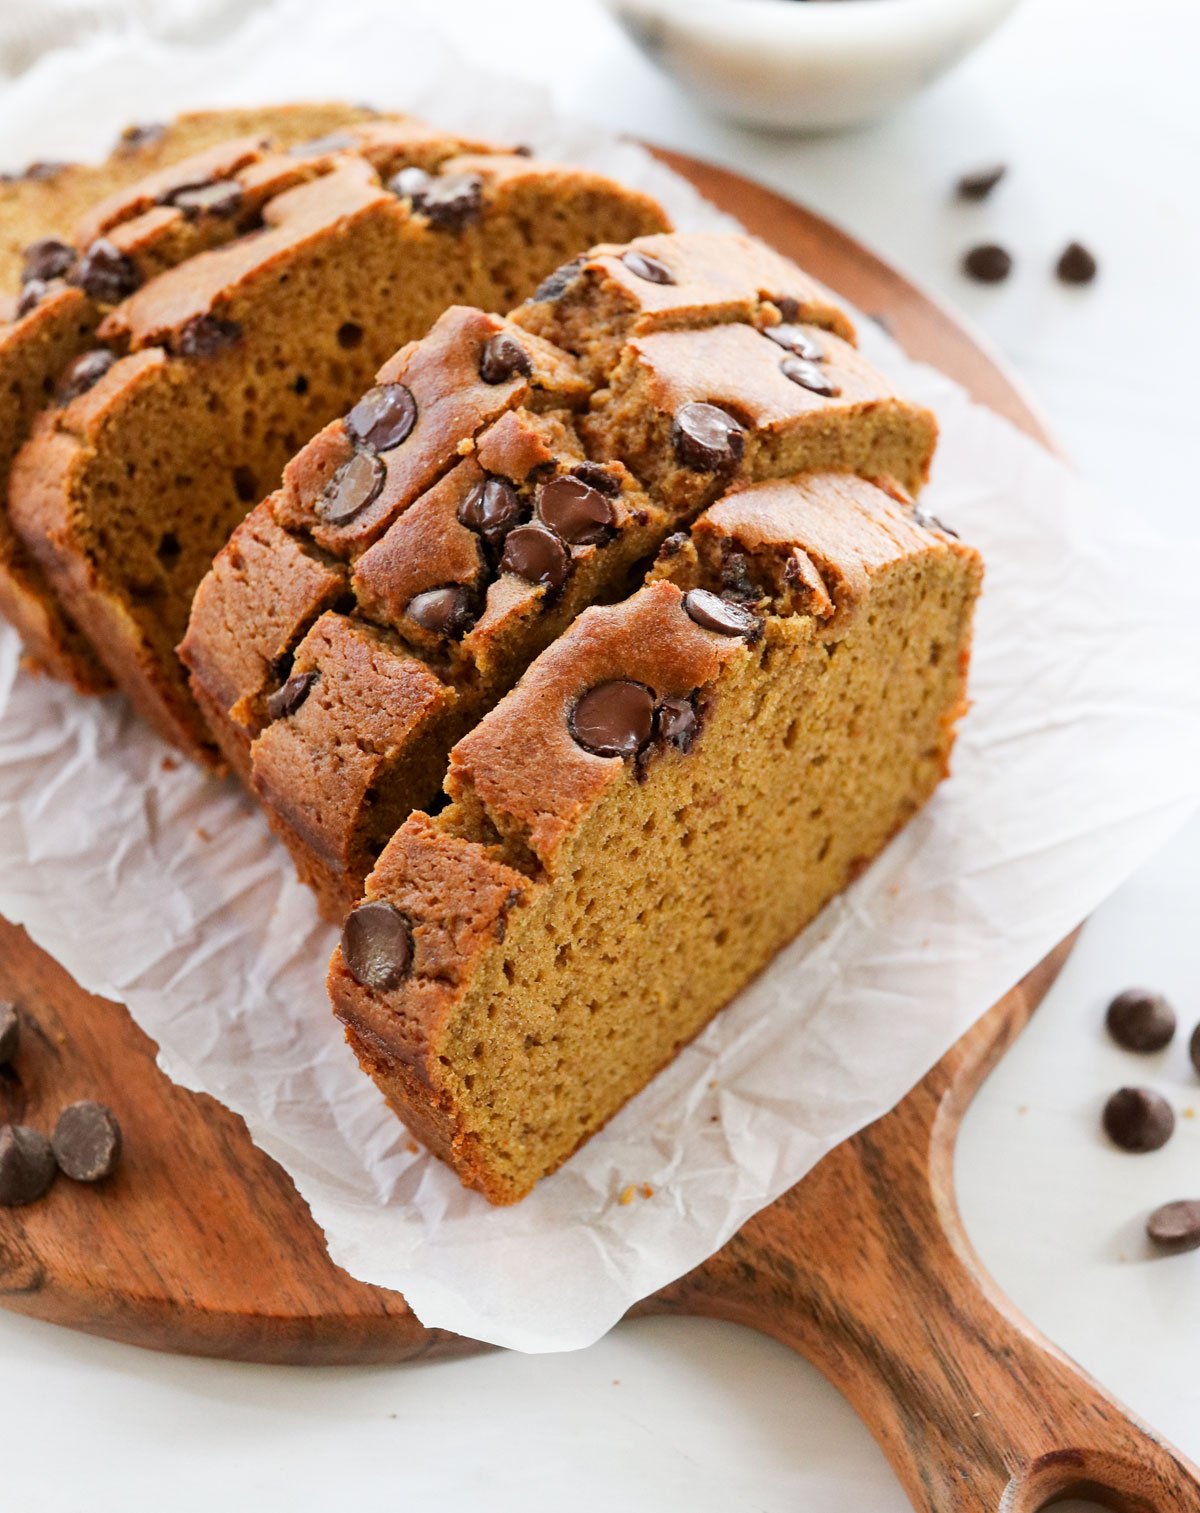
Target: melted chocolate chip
x=449, y=202
x=104, y=273
x=796, y=340
x=537, y=555
x=809, y=376
x=987, y=264
x=83, y=374
x=503, y=357
x=355, y=485
x=557, y=282
x=978, y=185
x=219, y=197
x=383, y=417
x=1141, y=1021
x=47, y=258
x=789, y=308
x=736, y=582
x=27, y=1165
x=10, y=1033
x=87, y=1142
x=707, y=438
x=576, y=511
x=30, y=297
x=676, y=723
x=599, y=477
x=1175, y=1227
x=643, y=266
x=710, y=612
x=444, y=611
x=1076, y=265
x=377, y=946
x=1138, y=1119
x=492, y=508
x=206, y=336
x=614, y=719
x=288, y=699
x=335, y=141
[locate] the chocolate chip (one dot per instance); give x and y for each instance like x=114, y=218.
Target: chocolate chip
x=537, y=555
x=643, y=266
x=575, y=510
x=10, y=1033
x=599, y=477
x=334, y=141
x=930, y=522
x=987, y=264
x=492, y=508
x=288, y=699
x=47, y=258
x=206, y=336
x=44, y=170
x=736, y=582
x=1140, y=1020
x=1076, y=265
x=383, y=417
x=377, y=946
x=30, y=297
x=449, y=202
x=706, y=438
x=135, y=138
x=1194, y=1048
x=83, y=374
x=104, y=273
x=1138, y=1119
x=27, y=1165
x=219, y=197
x=711, y=612
x=978, y=185
x=809, y=376
x=796, y=340
x=557, y=282
x=355, y=485
x=676, y=723
x=614, y=718
x=788, y=307
x=444, y=611
x=503, y=356
x=1175, y=1227
x=87, y=1142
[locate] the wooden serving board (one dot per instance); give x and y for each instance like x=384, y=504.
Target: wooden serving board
x=201, y=1244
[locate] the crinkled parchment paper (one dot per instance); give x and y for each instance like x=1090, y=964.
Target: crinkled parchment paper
x=161, y=888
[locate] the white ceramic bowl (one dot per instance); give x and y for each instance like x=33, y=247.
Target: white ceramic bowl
x=806, y=65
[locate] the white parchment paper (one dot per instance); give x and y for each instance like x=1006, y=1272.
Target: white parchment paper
x=162, y=889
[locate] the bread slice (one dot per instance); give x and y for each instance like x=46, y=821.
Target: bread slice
x=674, y=789
x=231, y=358
x=47, y=321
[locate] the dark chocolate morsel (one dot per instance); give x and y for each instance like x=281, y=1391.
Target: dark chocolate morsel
x=675, y=723
x=643, y=266
x=83, y=374
x=104, y=273
x=707, y=438
x=449, y=202
x=1194, y=1048
x=796, y=340
x=576, y=511
x=599, y=477
x=445, y=611
x=809, y=376
x=503, y=357
x=1138, y=1119
x=288, y=699
x=87, y=1142
x=987, y=264
x=377, y=945
x=1140, y=1020
x=978, y=185
x=614, y=719
x=1175, y=1227
x=383, y=417
x=27, y=1165
x=30, y=297
x=206, y=336
x=492, y=508
x=1076, y=265
x=557, y=282
x=335, y=141
x=355, y=485
x=711, y=612
x=47, y=258
x=10, y=1033
x=219, y=197
x=537, y=555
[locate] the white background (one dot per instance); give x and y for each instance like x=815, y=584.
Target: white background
x=1092, y=102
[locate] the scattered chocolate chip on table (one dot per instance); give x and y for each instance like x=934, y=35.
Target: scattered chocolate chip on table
x=1141, y=1021
x=27, y=1165
x=87, y=1142
x=1076, y=265
x=1194, y=1048
x=978, y=185
x=1175, y=1227
x=1138, y=1119
x=988, y=263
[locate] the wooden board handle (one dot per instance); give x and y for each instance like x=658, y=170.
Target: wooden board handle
x=866, y=1270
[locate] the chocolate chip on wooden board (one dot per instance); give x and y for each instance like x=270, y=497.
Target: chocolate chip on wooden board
x=1137, y=1119
x=27, y=1165
x=1141, y=1021
x=87, y=1142
x=10, y=1033
x=1175, y=1227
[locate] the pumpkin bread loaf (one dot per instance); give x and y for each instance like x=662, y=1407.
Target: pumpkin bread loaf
x=527, y=960
x=228, y=360
x=70, y=248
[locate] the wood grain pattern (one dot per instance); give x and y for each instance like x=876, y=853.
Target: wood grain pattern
x=201, y=1244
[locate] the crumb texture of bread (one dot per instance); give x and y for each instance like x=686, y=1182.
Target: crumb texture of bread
x=576, y=917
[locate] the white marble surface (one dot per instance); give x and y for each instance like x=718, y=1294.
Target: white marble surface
x=1092, y=102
